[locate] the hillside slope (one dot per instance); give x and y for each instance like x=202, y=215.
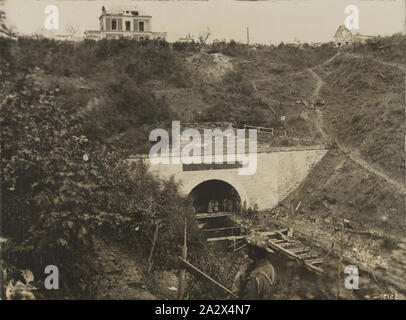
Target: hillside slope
x=362, y=180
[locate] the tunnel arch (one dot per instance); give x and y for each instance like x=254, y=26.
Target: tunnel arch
x=215, y=189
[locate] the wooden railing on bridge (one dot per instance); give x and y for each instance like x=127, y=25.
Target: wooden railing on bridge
x=267, y=130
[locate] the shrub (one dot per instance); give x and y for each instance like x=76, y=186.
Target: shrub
x=54, y=200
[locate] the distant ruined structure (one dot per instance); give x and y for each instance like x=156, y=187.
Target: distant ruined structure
x=188, y=38
x=123, y=22
x=344, y=36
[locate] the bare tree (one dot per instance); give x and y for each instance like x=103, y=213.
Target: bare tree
x=203, y=36
x=71, y=31
x=4, y=29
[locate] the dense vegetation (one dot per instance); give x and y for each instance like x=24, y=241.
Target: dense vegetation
x=390, y=49
x=65, y=174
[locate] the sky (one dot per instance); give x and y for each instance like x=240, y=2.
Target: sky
x=268, y=21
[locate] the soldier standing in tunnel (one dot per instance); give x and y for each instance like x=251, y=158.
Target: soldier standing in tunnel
x=225, y=204
x=210, y=206
x=216, y=205
x=256, y=279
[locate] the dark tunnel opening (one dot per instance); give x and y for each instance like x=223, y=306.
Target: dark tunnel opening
x=214, y=196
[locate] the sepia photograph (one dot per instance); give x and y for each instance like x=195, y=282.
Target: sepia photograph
x=215, y=150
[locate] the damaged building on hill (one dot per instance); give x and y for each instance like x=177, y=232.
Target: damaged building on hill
x=124, y=22
x=344, y=36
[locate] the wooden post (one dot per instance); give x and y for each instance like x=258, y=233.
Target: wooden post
x=152, y=249
x=200, y=274
x=232, y=234
x=340, y=260
x=183, y=271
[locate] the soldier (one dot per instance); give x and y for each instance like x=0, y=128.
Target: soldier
x=230, y=206
x=215, y=206
x=237, y=206
x=210, y=206
x=256, y=278
x=225, y=204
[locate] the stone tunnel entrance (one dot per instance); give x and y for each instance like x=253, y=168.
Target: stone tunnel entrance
x=214, y=196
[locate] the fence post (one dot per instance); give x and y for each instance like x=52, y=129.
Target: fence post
x=183, y=271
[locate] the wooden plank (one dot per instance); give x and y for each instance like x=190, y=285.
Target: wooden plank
x=228, y=238
x=297, y=250
x=273, y=233
x=244, y=245
x=280, y=248
x=200, y=274
x=270, y=250
x=295, y=257
x=285, y=244
x=237, y=243
x=212, y=215
x=220, y=229
x=314, y=268
x=315, y=261
x=279, y=241
x=292, y=245
x=152, y=249
x=183, y=271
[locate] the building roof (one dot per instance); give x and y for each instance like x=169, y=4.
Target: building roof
x=125, y=11
x=343, y=33
x=343, y=30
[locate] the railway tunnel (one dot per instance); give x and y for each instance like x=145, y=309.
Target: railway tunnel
x=222, y=193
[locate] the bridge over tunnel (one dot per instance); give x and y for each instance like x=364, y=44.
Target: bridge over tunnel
x=279, y=171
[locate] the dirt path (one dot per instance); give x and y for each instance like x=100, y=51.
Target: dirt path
x=329, y=60
x=121, y=273
x=319, y=82
x=350, y=152
x=356, y=157
x=318, y=120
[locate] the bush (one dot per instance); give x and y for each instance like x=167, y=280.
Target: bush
x=54, y=200
x=186, y=46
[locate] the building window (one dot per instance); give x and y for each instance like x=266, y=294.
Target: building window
x=113, y=24
x=128, y=26
x=141, y=26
